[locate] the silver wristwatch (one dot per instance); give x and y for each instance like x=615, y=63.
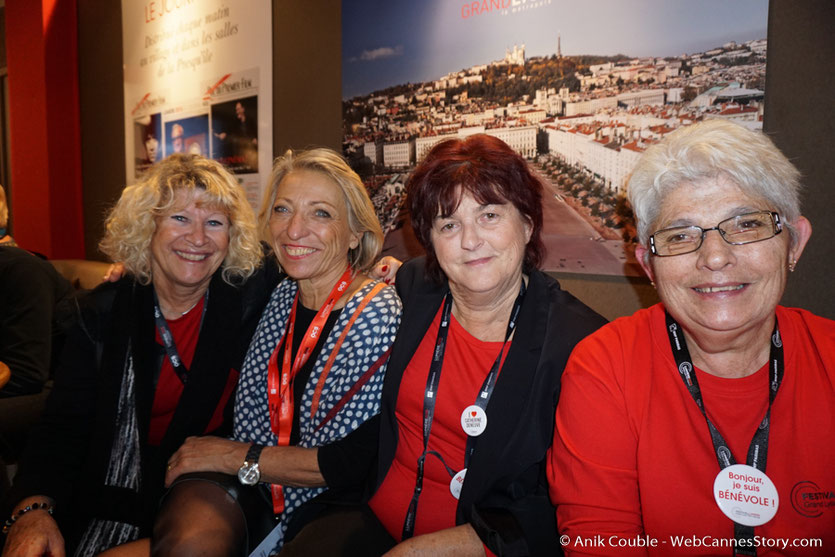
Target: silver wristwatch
x=249, y=473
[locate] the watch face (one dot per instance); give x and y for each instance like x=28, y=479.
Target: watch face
x=249, y=474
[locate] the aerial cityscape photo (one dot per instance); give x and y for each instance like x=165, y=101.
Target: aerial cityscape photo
x=578, y=89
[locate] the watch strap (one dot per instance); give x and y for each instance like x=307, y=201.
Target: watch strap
x=253, y=454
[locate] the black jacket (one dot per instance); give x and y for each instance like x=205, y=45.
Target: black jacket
x=69, y=450
x=505, y=495
x=30, y=290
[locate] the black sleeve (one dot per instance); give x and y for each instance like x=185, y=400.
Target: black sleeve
x=273, y=273
x=348, y=462
x=256, y=292
x=26, y=306
x=409, y=276
x=527, y=526
x=52, y=463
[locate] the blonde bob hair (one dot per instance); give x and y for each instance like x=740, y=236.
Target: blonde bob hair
x=362, y=220
x=707, y=150
x=132, y=222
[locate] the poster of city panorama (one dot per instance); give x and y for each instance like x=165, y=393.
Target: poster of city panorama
x=580, y=89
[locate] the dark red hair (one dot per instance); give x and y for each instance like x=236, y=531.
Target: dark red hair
x=491, y=172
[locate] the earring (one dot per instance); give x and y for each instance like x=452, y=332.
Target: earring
x=652, y=282
x=792, y=265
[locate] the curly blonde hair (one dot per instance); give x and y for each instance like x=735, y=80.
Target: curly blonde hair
x=132, y=222
x=362, y=219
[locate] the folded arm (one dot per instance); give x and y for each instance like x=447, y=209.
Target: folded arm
x=343, y=463
x=294, y=466
x=592, y=467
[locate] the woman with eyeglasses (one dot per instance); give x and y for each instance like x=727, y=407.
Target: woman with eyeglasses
x=704, y=425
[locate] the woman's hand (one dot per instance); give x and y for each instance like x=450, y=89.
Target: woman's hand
x=385, y=269
x=206, y=454
x=114, y=272
x=34, y=534
x=458, y=541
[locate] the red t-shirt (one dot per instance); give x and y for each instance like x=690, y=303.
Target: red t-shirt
x=186, y=331
x=467, y=362
x=632, y=455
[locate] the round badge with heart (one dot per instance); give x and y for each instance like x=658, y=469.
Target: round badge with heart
x=473, y=420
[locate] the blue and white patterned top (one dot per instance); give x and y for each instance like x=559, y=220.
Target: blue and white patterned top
x=368, y=340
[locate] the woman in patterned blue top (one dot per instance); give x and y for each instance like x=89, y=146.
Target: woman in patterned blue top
x=314, y=369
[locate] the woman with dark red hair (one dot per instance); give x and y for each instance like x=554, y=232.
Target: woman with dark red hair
x=455, y=463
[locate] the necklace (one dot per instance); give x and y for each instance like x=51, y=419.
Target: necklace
x=192, y=307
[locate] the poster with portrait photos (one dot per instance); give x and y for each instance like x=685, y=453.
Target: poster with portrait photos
x=198, y=79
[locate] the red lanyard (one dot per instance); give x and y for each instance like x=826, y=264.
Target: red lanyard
x=280, y=382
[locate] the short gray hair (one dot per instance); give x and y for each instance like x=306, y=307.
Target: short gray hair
x=362, y=220
x=707, y=150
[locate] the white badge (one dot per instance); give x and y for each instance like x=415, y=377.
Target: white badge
x=473, y=420
x=457, y=482
x=746, y=495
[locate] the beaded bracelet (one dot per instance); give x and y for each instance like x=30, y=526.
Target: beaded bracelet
x=33, y=507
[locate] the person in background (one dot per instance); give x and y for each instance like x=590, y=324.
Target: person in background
x=153, y=360
x=177, y=139
x=237, y=141
x=151, y=148
x=29, y=290
x=314, y=370
x=243, y=131
x=708, y=416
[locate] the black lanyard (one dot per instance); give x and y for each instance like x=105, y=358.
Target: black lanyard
x=168, y=338
x=430, y=396
x=758, y=449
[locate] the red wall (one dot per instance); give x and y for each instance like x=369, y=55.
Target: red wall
x=45, y=144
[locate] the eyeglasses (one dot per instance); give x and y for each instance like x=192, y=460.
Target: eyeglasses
x=739, y=230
